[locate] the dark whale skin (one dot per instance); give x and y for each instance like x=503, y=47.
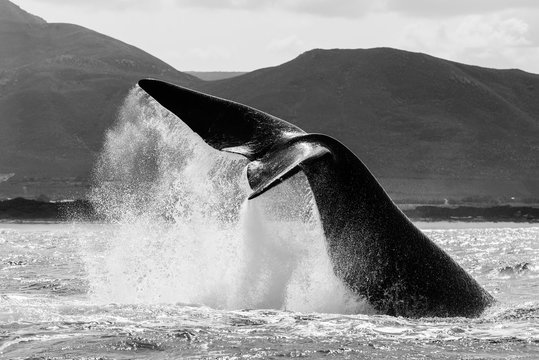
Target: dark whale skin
x=374, y=248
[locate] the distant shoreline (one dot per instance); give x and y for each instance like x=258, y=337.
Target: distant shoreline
x=36, y=210
x=497, y=213
x=21, y=209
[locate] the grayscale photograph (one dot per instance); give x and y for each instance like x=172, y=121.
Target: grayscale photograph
x=269, y=179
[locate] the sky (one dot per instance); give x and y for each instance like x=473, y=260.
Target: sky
x=244, y=35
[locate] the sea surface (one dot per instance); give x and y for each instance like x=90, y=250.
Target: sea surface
x=183, y=266
x=57, y=303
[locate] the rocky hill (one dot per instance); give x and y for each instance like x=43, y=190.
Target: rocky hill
x=428, y=128
x=60, y=88
x=424, y=125
x=13, y=13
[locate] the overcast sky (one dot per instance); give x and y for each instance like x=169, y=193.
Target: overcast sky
x=245, y=35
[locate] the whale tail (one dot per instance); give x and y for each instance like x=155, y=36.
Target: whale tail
x=278, y=165
x=374, y=248
x=223, y=124
x=275, y=147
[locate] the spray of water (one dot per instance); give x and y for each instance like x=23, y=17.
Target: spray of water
x=184, y=232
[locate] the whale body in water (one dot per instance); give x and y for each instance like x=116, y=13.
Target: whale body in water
x=374, y=248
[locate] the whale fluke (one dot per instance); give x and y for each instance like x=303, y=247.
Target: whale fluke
x=374, y=249
x=280, y=164
x=221, y=123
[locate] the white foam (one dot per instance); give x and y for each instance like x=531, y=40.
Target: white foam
x=186, y=233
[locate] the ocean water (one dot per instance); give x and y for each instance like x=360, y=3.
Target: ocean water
x=185, y=267
x=67, y=292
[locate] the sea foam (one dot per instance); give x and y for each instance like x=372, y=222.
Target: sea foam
x=185, y=232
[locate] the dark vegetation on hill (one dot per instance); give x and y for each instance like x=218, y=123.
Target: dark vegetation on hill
x=428, y=128
x=60, y=88
x=409, y=116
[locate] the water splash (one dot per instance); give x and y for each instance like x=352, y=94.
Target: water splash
x=184, y=231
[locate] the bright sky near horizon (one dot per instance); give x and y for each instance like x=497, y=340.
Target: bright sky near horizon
x=244, y=35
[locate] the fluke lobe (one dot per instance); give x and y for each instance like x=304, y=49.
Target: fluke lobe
x=376, y=251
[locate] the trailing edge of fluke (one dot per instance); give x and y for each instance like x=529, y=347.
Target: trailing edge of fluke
x=374, y=249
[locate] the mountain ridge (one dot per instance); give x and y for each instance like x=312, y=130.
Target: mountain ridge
x=409, y=116
x=426, y=127
x=60, y=88
x=215, y=75
x=335, y=91
x=13, y=13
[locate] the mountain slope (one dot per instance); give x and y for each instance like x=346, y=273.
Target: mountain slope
x=408, y=115
x=427, y=127
x=13, y=13
x=215, y=75
x=60, y=87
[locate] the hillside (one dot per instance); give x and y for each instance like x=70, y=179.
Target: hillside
x=215, y=75
x=425, y=126
x=60, y=88
x=428, y=128
x=13, y=13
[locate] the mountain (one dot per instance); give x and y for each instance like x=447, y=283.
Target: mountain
x=425, y=126
x=12, y=13
x=428, y=128
x=60, y=88
x=215, y=75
